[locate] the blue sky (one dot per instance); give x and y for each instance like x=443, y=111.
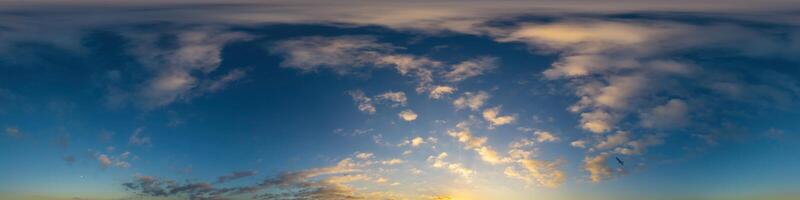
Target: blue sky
x=416, y=100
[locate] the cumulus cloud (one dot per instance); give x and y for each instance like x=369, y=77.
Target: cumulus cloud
x=531, y=170
x=455, y=168
x=407, y=115
x=544, y=136
x=364, y=155
x=578, y=144
x=492, y=115
x=477, y=144
x=614, y=140
x=638, y=147
x=673, y=114
x=397, y=98
x=597, y=167
x=106, y=161
x=393, y=161
x=473, y=101
x=363, y=102
x=470, y=68
x=441, y=91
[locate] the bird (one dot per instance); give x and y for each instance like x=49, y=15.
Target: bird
x=620, y=161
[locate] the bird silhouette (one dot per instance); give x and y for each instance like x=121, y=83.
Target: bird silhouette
x=620, y=161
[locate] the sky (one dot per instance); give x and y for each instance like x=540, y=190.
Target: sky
x=412, y=100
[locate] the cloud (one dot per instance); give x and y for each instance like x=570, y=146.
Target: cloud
x=441, y=91
x=614, y=140
x=417, y=141
x=108, y=161
x=578, y=144
x=394, y=161
x=349, y=54
x=137, y=139
x=531, y=170
x=597, y=168
x=364, y=155
x=638, y=147
x=408, y=115
x=673, y=114
x=104, y=161
x=470, y=68
x=176, y=71
x=455, y=168
x=492, y=116
x=13, y=132
x=235, y=176
x=398, y=98
x=315, y=183
x=544, y=136
x=477, y=144
x=363, y=102
x=474, y=101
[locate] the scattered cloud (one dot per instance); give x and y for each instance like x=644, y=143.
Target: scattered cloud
x=455, y=168
x=673, y=114
x=473, y=101
x=597, y=167
x=364, y=155
x=393, y=161
x=544, y=136
x=578, y=144
x=470, y=68
x=397, y=98
x=408, y=115
x=440, y=91
x=363, y=102
x=492, y=115
x=137, y=139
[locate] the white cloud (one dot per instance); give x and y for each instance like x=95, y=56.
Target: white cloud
x=364, y=155
x=544, y=136
x=670, y=115
x=348, y=54
x=456, y=168
x=578, y=144
x=407, y=115
x=476, y=144
x=440, y=91
x=363, y=102
x=417, y=141
x=614, y=140
x=597, y=168
x=474, y=101
x=470, y=68
x=492, y=115
x=176, y=70
x=398, y=98
x=394, y=161
x=638, y=147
